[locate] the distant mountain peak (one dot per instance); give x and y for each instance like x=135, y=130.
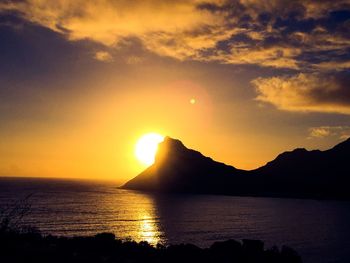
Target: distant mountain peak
x=299, y=173
x=177, y=168
x=295, y=152
x=172, y=143
x=168, y=139
x=169, y=148
x=343, y=145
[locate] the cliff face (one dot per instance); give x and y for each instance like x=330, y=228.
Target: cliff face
x=298, y=173
x=179, y=169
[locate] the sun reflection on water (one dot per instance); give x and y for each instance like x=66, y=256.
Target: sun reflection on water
x=148, y=229
x=132, y=216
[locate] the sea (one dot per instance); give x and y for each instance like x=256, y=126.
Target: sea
x=319, y=230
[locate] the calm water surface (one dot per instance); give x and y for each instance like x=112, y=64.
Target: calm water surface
x=318, y=230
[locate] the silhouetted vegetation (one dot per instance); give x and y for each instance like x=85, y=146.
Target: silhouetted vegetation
x=11, y=216
x=104, y=247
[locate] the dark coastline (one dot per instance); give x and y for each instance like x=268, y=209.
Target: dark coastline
x=298, y=174
x=31, y=246
x=295, y=196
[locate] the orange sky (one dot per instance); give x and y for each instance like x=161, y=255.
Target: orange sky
x=81, y=81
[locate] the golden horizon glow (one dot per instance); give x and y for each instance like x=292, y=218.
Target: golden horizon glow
x=240, y=93
x=147, y=146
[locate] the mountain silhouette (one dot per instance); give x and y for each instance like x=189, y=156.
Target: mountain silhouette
x=299, y=173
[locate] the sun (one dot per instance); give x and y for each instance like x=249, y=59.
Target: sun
x=147, y=146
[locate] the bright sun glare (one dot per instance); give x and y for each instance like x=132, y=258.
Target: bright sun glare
x=146, y=147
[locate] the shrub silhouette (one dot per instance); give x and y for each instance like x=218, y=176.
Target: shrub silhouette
x=104, y=247
x=11, y=216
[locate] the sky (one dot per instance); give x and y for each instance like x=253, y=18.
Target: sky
x=81, y=81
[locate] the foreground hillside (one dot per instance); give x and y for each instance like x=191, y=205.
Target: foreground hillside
x=33, y=247
x=299, y=173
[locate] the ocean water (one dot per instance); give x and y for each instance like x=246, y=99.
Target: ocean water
x=318, y=230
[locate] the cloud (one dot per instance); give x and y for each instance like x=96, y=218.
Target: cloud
x=278, y=57
x=109, y=22
x=319, y=132
x=103, y=56
x=311, y=92
x=334, y=65
x=309, y=8
x=280, y=34
x=341, y=132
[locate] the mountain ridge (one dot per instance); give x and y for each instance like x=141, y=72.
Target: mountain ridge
x=296, y=173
